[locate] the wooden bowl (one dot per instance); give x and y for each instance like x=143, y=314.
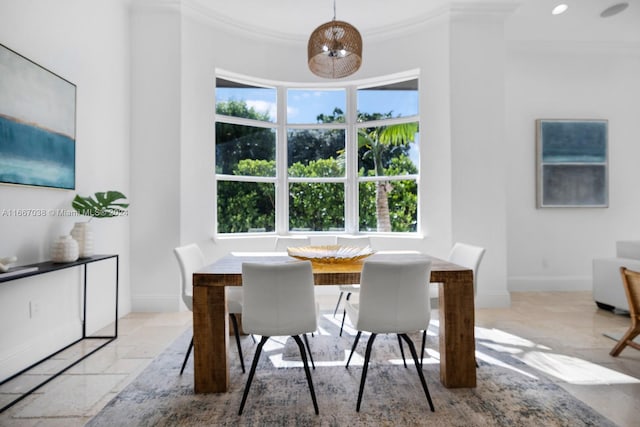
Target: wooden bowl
x=330, y=254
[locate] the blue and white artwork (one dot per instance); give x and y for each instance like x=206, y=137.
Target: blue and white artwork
x=37, y=124
x=572, y=163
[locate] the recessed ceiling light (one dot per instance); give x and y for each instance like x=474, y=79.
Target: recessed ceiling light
x=561, y=8
x=614, y=10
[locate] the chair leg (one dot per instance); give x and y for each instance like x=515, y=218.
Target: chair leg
x=402, y=351
x=344, y=314
x=307, y=372
x=338, y=304
x=412, y=348
x=367, y=356
x=306, y=341
x=187, y=356
x=424, y=343
x=234, y=320
x=252, y=372
x=631, y=333
x=355, y=343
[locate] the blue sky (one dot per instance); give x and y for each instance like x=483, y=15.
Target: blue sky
x=305, y=105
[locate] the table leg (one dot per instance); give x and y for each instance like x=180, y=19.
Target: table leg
x=457, y=337
x=210, y=339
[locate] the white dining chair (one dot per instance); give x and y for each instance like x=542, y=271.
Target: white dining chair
x=394, y=299
x=279, y=300
x=190, y=258
x=464, y=255
x=284, y=242
x=349, y=288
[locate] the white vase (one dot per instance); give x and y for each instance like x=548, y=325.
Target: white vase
x=64, y=249
x=82, y=233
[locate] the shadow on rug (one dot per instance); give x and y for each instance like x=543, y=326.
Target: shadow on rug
x=508, y=393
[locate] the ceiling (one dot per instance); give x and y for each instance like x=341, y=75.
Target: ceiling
x=528, y=19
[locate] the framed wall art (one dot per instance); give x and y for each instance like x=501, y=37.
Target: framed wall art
x=572, y=163
x=37, y=124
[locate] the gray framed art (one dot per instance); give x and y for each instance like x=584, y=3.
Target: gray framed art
x=37, y=124
x=572, y=163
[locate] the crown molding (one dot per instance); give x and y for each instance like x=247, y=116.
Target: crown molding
x=574, y=47
x=198, y=10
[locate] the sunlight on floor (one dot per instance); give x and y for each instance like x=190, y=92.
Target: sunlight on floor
x=574, y=370
x=570, y=369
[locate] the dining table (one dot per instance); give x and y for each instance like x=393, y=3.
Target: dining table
x=211, y=324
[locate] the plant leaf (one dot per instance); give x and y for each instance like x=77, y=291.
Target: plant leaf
x=101, y=205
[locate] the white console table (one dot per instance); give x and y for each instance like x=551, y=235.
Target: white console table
x=48, y=267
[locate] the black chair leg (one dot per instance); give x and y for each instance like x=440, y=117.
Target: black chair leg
x=306, y=341
x=412, y=348
x=338, y=304
x=344, y=313
x=307, y=372
x=234, y=320
x=187, y=356
x=402, y=351
x=367, y=356
x=355, y=343
x=424, y=343
x=252, y=372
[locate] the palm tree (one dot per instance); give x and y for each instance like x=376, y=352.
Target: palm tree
x=377, y=142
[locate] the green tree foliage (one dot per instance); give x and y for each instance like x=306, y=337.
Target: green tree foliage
x=235, y=142
x=246, y=205
x=250, y=151
x=316, y=206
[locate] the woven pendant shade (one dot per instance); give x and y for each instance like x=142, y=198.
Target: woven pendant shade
x=334, y=50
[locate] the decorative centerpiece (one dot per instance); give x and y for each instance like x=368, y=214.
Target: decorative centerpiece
x=330, y=254
x=102, y=205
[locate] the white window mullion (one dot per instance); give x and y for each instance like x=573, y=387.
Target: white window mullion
x=282, y=187
x=351, y=190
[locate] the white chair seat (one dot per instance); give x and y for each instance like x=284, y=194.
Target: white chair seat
x=349, y=288
x=284, y=242
x=279, y=300
x=394, y=298
x=190, y=258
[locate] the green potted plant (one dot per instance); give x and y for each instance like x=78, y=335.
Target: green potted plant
x=101, y=205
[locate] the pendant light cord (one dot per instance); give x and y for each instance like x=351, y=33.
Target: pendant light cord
x=334, y=10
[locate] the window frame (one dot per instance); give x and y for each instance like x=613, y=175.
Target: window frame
x=350, y=180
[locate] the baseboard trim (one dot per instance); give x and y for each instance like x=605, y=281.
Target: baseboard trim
x=550, y=283
x=493, y=300
x=155, y=303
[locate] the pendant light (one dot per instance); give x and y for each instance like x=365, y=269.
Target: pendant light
x=334, y=49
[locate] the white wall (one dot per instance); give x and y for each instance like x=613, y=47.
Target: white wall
x=552, y=249
x=184, y=131
x=88, y=44
x=478, y=162
x=155, y=158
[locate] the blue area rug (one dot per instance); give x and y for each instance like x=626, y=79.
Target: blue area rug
x=509, y=393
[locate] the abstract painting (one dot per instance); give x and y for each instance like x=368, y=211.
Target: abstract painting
x=37, y=124
x=572, y=163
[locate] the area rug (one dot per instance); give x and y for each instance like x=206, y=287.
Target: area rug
x=508, y=393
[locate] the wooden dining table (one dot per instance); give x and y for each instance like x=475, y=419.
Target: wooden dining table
x=211, y=324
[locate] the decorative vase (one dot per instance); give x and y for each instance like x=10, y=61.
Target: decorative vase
x=82, y=233
x=64, y=249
